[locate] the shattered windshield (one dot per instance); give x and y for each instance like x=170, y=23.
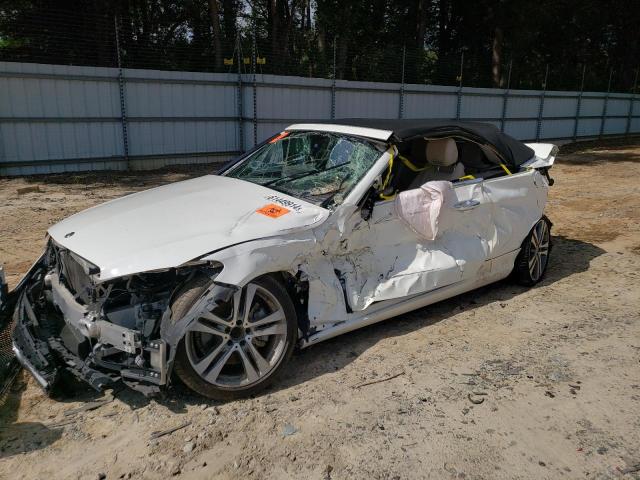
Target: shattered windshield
x=319, y=167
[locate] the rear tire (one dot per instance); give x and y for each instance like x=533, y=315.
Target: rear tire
x=233, y=351
x=533, y=259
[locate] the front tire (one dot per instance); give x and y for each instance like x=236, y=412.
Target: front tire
x=533, y=259
x=237, y=349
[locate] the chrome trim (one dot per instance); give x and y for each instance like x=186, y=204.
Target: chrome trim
x=32, y=370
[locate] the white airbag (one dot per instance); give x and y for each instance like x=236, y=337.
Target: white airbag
x=422, y=208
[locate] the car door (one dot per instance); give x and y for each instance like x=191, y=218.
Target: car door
x=383, y=258
x=517, y=203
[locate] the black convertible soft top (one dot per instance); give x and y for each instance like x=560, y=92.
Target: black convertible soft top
x=512, y=151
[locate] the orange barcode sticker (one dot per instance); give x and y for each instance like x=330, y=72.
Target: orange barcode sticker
x=272, y=210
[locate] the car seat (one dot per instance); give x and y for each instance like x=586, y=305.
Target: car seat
x=442, y=154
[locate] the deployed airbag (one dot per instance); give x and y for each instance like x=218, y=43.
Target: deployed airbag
x=422, y=208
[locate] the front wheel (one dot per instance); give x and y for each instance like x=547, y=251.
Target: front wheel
x=235, y=350
x=531, y=263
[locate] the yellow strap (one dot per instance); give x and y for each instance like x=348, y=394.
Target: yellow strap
x=467, y=177
x=504, y=167
x=387, y=178
x=410, y=165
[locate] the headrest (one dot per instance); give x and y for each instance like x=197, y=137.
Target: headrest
x=442, y=152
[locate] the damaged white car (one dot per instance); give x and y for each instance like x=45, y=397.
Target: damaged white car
x=322, y=229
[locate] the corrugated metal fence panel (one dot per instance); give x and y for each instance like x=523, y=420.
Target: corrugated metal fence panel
x=56, y=112
x=284, y=100
x=296, y=98
x=421, y=101
x=560, y=104
x=180, y=112
x=67, y=118
x=481, y=104
x=366, y=100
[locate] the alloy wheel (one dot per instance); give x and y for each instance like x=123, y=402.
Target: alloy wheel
x=538, y=250
x=235, y=346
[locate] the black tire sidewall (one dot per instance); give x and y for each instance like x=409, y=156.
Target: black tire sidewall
x=182, y=365
x=521, y=272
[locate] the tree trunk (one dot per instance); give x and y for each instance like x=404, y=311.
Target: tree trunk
x=343, y=50
x=421, y=25
x=275, y=26
x=443, y=28
x=214, y=13
x=229, y=18
x=496, y=58
x=307, y=9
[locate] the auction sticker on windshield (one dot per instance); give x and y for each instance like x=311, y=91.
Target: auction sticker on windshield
x=272, y=210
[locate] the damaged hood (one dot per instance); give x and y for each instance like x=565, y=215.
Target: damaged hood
x=167, y=226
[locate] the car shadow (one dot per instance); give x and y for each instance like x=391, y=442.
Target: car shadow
x=595, y=153
x=17, y=437
x=569, y=256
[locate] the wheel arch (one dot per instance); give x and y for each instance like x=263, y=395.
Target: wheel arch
x=173, y=330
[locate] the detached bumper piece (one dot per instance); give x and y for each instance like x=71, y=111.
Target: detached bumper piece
x=8, y=362
x=45, y=356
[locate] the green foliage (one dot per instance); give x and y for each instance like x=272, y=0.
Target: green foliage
x=368, y=39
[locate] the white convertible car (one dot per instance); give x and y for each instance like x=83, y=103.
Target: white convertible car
x=322, y=229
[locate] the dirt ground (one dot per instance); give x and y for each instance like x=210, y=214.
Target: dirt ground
x=558, y=366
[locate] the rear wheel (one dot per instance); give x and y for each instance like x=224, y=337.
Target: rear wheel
x=236, y=349
x=531, y=263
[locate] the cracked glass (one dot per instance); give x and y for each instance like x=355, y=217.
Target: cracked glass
x=319, y=167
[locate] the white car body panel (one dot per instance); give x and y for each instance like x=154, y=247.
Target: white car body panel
x=544, y=155
x=386, y=269
x=374, y=133
x=167, y=226
x=518, y=202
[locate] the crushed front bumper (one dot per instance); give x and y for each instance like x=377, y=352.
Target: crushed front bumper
x=40, y=347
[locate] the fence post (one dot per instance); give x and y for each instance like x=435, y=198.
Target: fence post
x=579, y=104
x=603, y=117
x=123, y=97
x=541, y=107
x=631, y=100
x=505, y=98
x=255, y=91
x=401, y=106
x=333, y=82
x=240, y=99
x=459, y=103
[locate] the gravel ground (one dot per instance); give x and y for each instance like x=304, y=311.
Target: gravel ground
x=556, y=368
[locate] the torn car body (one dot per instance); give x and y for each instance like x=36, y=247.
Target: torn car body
x=337, y=213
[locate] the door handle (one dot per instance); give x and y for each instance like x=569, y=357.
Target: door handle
x=466, y=205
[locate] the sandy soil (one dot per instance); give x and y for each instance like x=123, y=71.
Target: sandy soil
x=559, y=364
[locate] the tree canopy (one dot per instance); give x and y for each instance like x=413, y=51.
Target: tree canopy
x=479, y=43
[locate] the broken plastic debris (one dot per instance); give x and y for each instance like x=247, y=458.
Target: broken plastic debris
x=288, y=430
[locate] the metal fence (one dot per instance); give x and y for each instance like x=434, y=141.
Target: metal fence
x=56, y=118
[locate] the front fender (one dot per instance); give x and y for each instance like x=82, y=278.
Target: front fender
x=246, y=261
